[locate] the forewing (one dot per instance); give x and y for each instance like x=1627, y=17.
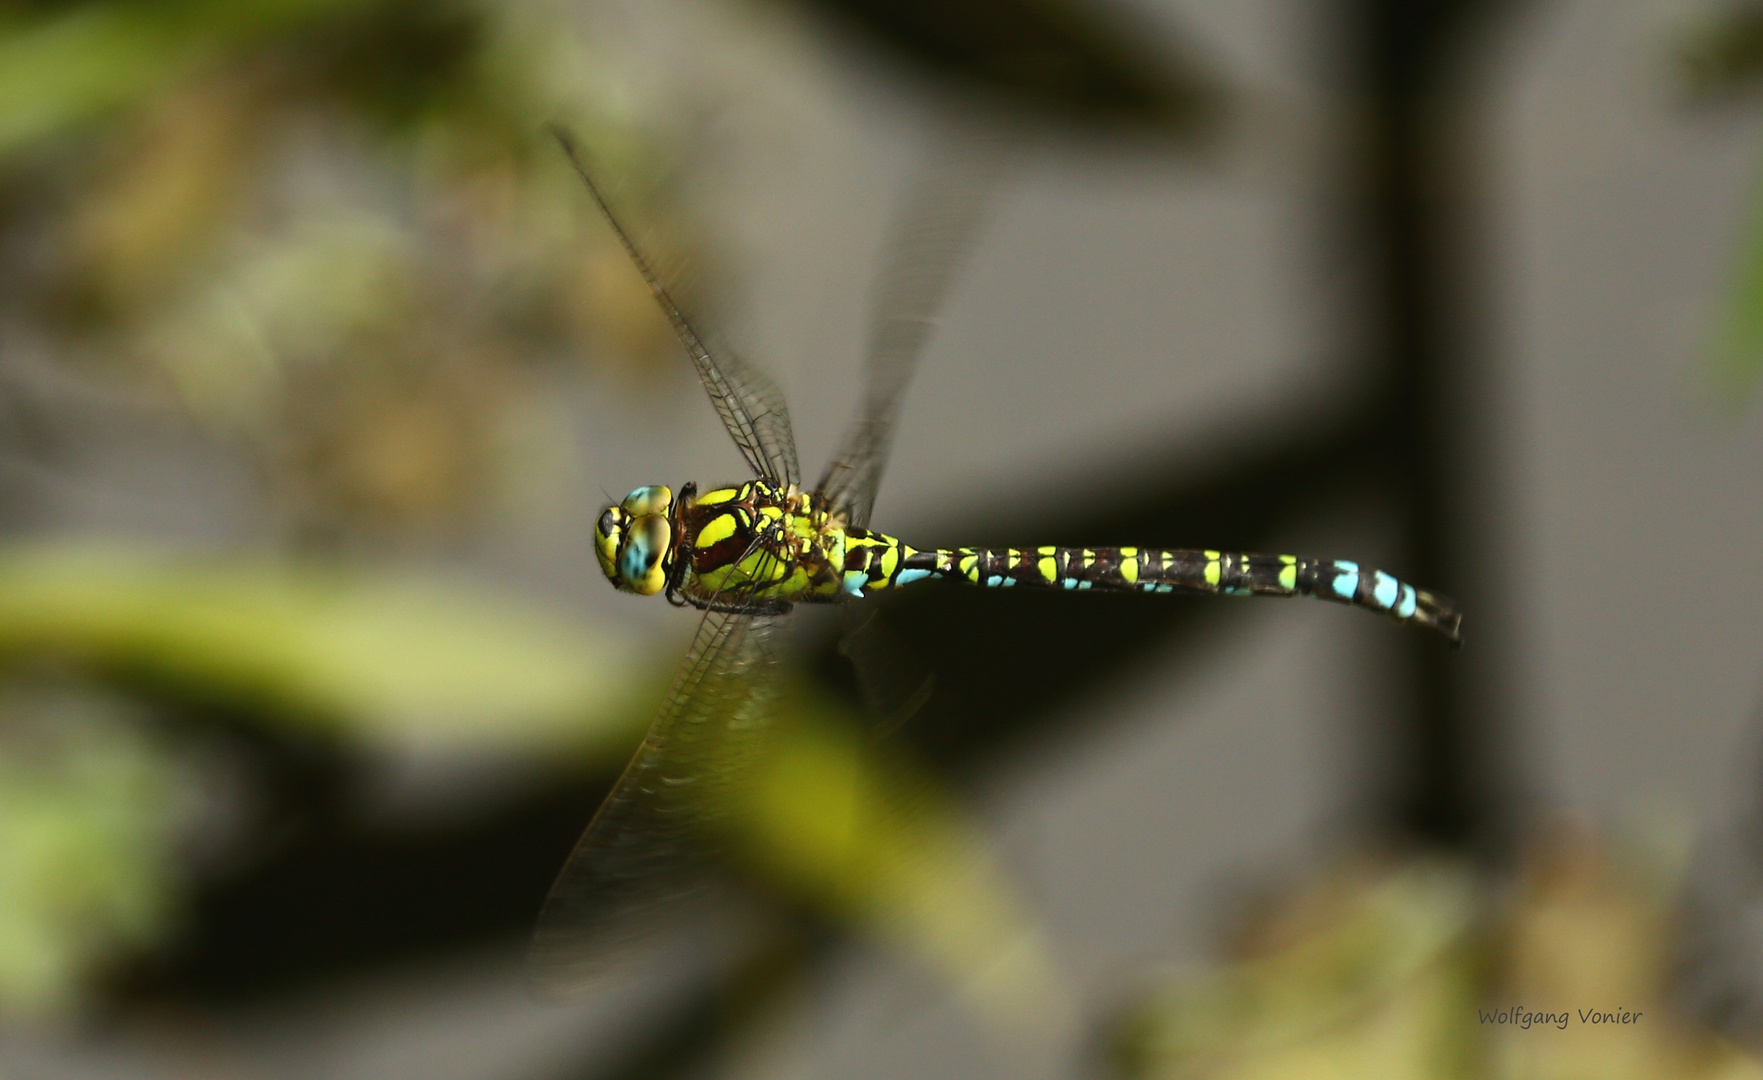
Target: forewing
x=750, y=405
x=645, y=854
x=752, y=408
x=936, y=228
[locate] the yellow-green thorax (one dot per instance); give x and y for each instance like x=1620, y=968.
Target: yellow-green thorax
x=758, y=541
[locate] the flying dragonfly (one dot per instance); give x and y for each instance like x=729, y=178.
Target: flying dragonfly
x=746, y=553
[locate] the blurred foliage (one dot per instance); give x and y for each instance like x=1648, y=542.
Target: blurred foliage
x=90, y=803
x=90, y=813
x=371, y=657
x=1367, y=972
x=333, y=236
x=333, y=230
x=865, y=838
x=832, y=825
x=1397, y=970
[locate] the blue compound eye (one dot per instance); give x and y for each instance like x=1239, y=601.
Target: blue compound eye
x=654, y=499
x=642, y=560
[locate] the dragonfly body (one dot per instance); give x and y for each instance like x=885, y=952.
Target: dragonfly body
x=773, y=545
x=748, y=552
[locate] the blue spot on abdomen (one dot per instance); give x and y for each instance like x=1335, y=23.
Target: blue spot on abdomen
x=1346, y=582
x=1405, y=608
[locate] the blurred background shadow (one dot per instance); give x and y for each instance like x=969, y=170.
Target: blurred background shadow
x=316, y=365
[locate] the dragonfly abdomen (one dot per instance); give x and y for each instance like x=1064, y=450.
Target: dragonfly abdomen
x=876, y=562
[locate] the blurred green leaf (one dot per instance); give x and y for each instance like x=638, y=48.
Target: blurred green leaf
x=89, y=810
x=373, y=655
x=70, y=67
x=862, y=837
x=1738, y=349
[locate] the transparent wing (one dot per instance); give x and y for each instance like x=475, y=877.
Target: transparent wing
x=751, y=406
x=936, y=228
x=895, y=683
x=644, y=854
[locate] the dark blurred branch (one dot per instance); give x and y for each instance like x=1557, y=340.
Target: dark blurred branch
x=318, y=892
x=1060, y=62
x=1724, y=59
x=1414, y=213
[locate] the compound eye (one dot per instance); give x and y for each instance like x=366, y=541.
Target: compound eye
x=642, y=563
x=644, y=501
x=608, y=533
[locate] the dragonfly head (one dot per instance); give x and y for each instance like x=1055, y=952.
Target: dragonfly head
x=634, y=540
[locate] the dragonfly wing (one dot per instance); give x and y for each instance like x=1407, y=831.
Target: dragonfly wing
x=644, y=855
x=749, y=404
x=895, y=683
x=935, y=230
x=752, y=408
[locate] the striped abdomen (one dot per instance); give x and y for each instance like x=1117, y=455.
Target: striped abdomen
x=874, y=562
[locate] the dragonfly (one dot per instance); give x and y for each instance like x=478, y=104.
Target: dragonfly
x=745, y=554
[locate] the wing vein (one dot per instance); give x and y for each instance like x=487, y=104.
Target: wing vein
x=747, y=402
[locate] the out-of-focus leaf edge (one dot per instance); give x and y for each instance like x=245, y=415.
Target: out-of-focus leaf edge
x=360, y=653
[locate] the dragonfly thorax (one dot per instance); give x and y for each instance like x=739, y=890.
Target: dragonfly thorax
x=760, y=542
x=634, y=540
